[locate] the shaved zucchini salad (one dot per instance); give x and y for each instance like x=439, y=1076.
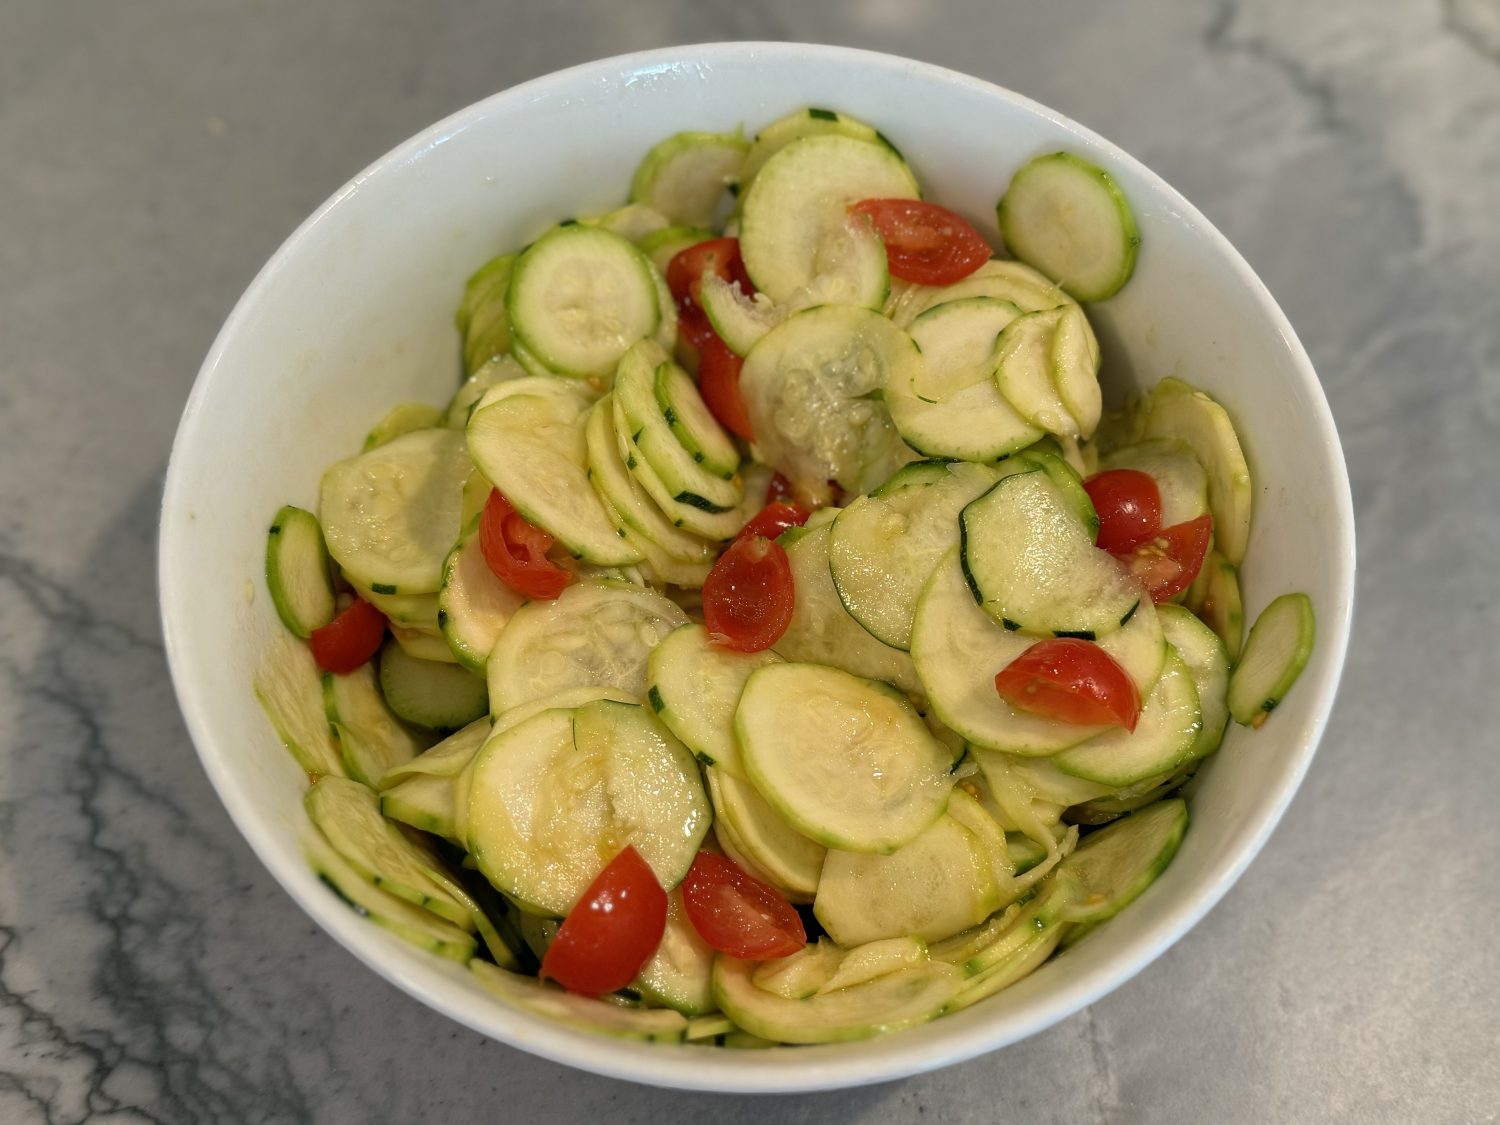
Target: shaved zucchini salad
x=773, y=641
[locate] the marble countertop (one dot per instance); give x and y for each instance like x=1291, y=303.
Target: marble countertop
x=157, y=152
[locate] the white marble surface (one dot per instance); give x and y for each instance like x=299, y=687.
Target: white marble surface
x=156, y=152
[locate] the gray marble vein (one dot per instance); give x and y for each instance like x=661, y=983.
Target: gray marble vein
x=157, y=152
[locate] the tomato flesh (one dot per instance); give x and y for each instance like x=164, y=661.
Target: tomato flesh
x=516, y=550
x=1073, y=681
x=925, y=243
x=1168, y=561
x=612, y=931
x=748, y=595
x=719, y=384
x=737, y=914
x=1128, y=504
x=720, y=256
x=350, y=639
x=775, y=518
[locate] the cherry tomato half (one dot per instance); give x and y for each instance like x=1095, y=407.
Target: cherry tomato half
x=350, y=639
x=719, y=384
x=748, y=595
x=1128, y=504
x=737, y=914
x=1073, y=681
x=693, y=326
x=717, y=255
x=775, y=518
x=925, y=243
x=612, y=930
x=1167, y=563
x=516, y=551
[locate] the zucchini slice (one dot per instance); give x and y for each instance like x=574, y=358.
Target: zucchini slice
x=811, y=387
x=596, y=634
x=633, y=222
x=883, y=547
x=1176, y=410
x=783, y=856
x=288, y=685
x=552, y=799
x=663, y=245
x=1027, y=367
x=685, y=475
x=1112, y=866
x=348, y=815
x=580, y=297
x=959, y=649
x=372, y=739
x=635, y=512
x=1222, y=606
x=447, y=759
x=411, y=923
x=801, y=194
x=848, y=762
x=889, y=1002
x=391, y=515
x=1033, y=566
x=1165, y=735
x=998, y=279
x=652, y=1025
x=1208, y=663
x=473, y=605
x=1069, y=219
x=440, y=697
x=1280, y=642
x=498, y=370
x=695, y=686
x=400, y=419
x=950, y=406
x=940, y=883
x=821, y=630
x=426, y=802
x=297, y=571
x=1178, y=473
x=685, y=176
x=692, y=423
x=740, y=321
x=527, y=437
x=482, y=318
x=680, y=973
x=809, y=122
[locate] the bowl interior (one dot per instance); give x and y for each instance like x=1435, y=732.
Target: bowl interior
x=356, y=313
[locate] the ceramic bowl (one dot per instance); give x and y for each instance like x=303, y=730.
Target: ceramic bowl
x=355, y=313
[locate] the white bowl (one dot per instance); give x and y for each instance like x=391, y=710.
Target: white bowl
x=355, y=312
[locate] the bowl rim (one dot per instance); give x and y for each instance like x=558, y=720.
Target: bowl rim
x=784, y=1070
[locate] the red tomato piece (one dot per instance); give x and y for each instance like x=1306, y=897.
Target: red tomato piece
x=748, y=595
x=350, y=639
x=717, y=255
x=693, y=326
x=1167, y=563
x=719, y=384
x=1128, y=504
x=737, y=914
x=925, y=243
x=612, y=930
x=516, y=551
x=1073, y=681
x=775, y=518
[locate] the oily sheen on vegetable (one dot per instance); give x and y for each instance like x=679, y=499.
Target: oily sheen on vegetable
x=772, y=640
